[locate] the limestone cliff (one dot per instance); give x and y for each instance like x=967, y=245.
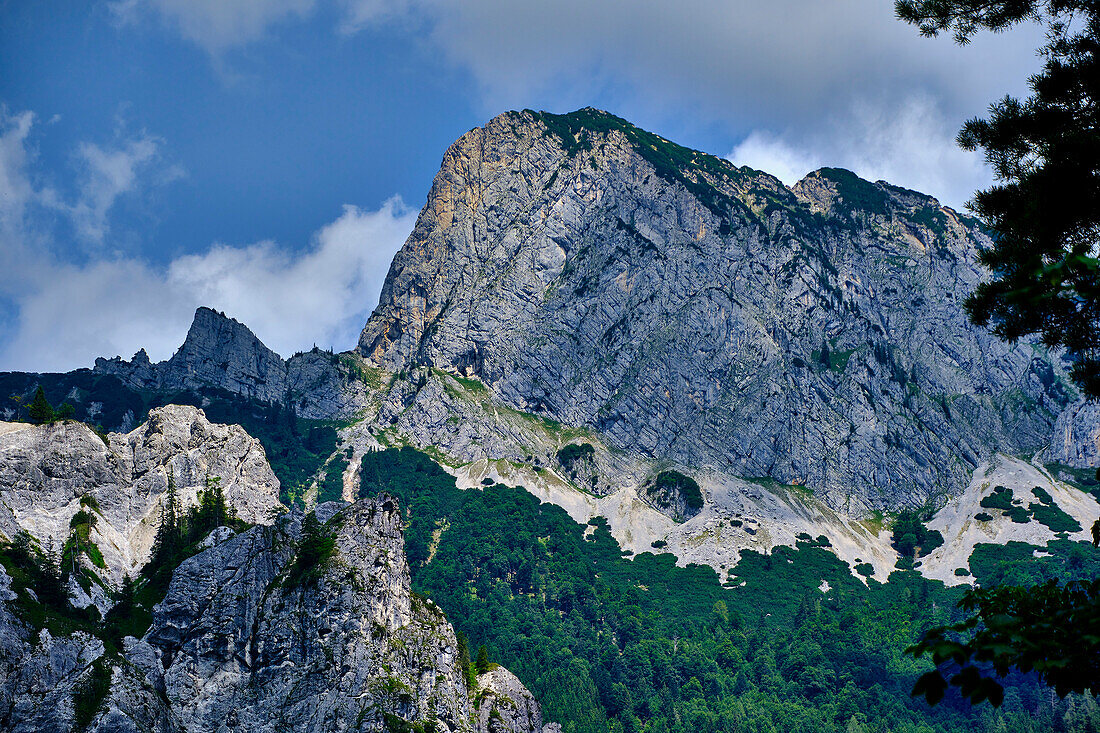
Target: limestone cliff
x=249, y=639
x=697, y=312
x=222, y=353
x=50, y=472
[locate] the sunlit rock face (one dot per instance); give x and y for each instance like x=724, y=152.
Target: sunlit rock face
x=706, y=314
x=48, y=473
x=239, y=644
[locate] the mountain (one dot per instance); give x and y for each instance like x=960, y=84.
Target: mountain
x=642, y=422
x=49, y=473
x=700, y=313
x=222, y=353
x=251, y=631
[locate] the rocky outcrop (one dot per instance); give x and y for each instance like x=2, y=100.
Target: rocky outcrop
x=49, y=473
x=254, y=636
x=1076, y=440
x=246, y=646
x=504, y=705
x=705, y=314
x=218, y=351
x=223, y=354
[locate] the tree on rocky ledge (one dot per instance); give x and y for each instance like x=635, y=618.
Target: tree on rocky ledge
x=40, y=411
x=1044, y=216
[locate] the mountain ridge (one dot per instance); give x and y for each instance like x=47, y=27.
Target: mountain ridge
x=601, y=276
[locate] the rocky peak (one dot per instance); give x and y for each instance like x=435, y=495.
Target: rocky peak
x=697, y=312
x=218, y=352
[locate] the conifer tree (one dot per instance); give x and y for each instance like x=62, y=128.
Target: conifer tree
x=41, y=411
x=482, y=659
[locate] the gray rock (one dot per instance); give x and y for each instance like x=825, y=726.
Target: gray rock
x=506, y=706
x=705, y=314
x=238, y=644
x=1077, y=436
x=49, y=473
x=222, y=353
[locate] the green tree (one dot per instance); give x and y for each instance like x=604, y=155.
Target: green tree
x=41, y=411
x=1044, y=218
x=464, y=664
x=1044, y=213
x=169, y=531
x=482, y=665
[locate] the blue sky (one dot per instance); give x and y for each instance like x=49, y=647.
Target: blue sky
x=268, y=157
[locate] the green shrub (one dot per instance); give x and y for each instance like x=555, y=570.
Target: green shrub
x=1001, y=498
x=673, y=483
x=569, y=455
x=911, y=538
x=1048, y=513
x=91, y=692
x=315, y=548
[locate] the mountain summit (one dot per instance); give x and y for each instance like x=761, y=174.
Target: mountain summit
x=597, y=274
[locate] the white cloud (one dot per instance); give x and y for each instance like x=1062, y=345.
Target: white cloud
x=360, y=14
x=107, y=174
x=15, y=187
x=217, y=25
x=911, y=144
x=67, y=314
x=294, y=300
x=766, y=152
x=290, y=300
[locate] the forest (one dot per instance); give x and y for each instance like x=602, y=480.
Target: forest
x=792, y=641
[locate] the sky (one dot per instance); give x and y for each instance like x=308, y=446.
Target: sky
x=267, y=158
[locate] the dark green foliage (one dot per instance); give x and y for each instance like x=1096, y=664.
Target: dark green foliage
x=855, y=193
x=694, y=170
x=315, y=547
x=112, y=399
x=1050, y=629
x=178, y=537
x=670, y=485
x=91, y=692
x=962, y=572
x=465, y=666
x=482, y=664
x=1044, y=212
x=658, y=544
x=1048, y=513
x=1001, y=498
x=40, y=572
x=983, y=517
x=603, y=641
x=295, y=447
x=126, y=617
x=40, y=410
x=1030, y=614
x=865, y=569
x=332, y=488
x=911, y=538
x=569, y=456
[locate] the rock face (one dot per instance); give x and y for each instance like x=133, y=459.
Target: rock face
x=218, y=351
x=341, y=651
x=1077, y=436
x=221, y=353
x=706, y=314
x=243, y=641
x=49, y=473
x=506, y=705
